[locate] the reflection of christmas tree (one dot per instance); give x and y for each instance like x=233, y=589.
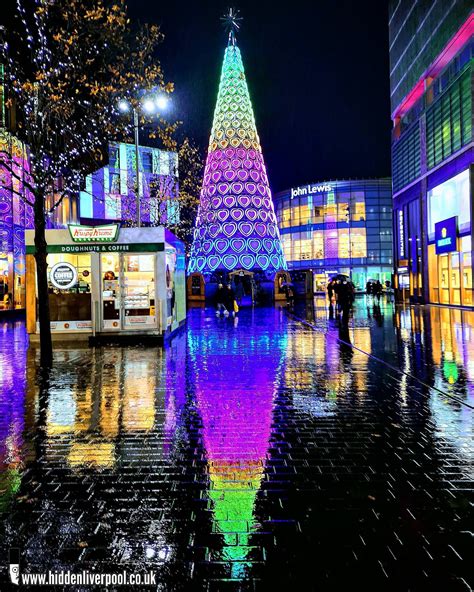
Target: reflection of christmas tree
x=236, y=224
x=235, y=395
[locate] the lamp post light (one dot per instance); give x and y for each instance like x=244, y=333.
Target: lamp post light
x=348, y=218
x=150, y=105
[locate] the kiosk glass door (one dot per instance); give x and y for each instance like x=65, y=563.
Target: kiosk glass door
x=128, y=291
x=138, y=291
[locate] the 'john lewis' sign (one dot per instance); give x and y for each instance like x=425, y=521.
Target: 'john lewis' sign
x=310, y=189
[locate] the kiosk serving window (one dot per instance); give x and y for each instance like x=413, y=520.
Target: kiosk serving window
x=69, y=283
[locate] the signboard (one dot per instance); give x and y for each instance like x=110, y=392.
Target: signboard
x=445, y=235
x=69, y=326
x=104, y=248
x=63, y=276
x=101, y=234
x=401, y=235
x=309, y=189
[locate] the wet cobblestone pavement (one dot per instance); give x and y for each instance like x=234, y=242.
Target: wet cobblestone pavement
x=256, y=454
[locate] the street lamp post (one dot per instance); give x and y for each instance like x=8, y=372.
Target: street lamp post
x=150, y=106
x=348, y=216
x=137, y=166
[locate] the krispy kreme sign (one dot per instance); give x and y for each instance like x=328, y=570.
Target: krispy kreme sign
x=100, y=234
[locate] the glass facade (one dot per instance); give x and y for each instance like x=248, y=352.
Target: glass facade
x=338, y=227
x=431, y=59
x=418, y=32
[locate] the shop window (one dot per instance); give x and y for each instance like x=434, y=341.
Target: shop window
x=358, y=211
x=318, y=217
x=330, y=244
x=330, y=213
x=343, y=212
x=466, y=271
x=285, y=220
x=295, y=216
x=305, y=214
x=443, y=270
x=344, y=245
x=449, y=199
x=318, y=245
x=306, y=249
x=358, y=242
x=287, y=243
x=73, y=304
x=455, y=279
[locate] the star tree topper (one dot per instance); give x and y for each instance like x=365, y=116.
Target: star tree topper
x=231, y=21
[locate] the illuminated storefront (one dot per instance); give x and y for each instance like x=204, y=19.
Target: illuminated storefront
x=106, y=280
x=338, y=227
x=438, y=270
x=450, y=241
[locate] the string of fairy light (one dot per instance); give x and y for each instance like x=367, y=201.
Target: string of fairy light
x=50, y=129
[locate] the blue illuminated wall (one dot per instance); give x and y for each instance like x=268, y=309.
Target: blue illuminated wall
x=109, y=194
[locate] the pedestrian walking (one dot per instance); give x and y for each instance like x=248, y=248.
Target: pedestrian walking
x=368, y=288
x=378, y=290
x=290, y=295
x=352, y=291
x=239, y=290
x=344, y=300
x=330, y=291
x=337, y=289
x=220, y=300
x=230, y=299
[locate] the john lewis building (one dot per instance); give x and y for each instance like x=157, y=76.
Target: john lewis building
x=334, y=227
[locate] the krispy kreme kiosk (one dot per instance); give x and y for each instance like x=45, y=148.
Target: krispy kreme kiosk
x=108, y=281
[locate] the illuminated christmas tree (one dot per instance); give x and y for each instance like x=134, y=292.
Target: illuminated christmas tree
x=236, y=227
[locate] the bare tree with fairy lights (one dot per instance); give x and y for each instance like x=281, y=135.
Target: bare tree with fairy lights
x=68, y=63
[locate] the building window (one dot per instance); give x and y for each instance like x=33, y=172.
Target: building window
x=114, y=183
x=146, y=162
x=358, y=211
x=113, y=157
x=344, y=245
x=358, y=240
x=406, y=158
x=343, y=212
x=113, y=207
x=318, y=245
x=448, y=121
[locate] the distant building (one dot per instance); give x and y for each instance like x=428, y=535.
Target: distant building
x=431, y=80
x=337, y=227
x=110, y=193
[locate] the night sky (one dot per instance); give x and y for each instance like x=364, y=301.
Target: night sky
x=318, y=75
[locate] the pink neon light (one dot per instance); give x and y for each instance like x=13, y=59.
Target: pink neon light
x=456, y=42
